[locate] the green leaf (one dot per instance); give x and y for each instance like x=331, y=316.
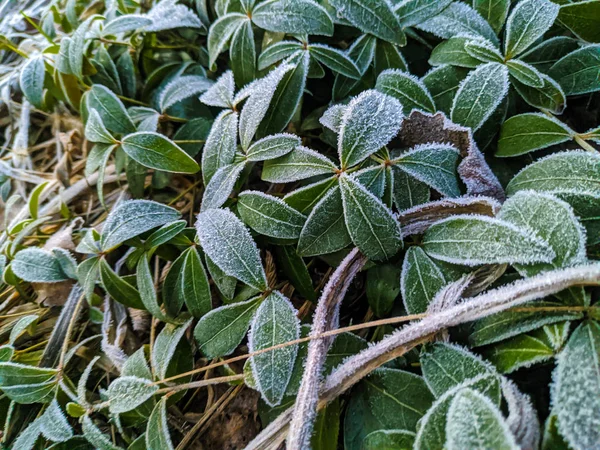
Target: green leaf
x=277, y=52
x=407, y=191
x=411, y=91
x=372, y=179
x=293, y=17
x=147, y=292
x=549, y=97
x=473, y=240
x=126, y=23
x=443, y=82
x=127, y=393
x=388, y=56
x=95, y=131
x=335, y=59
x=390, y=440
x=274, y=323
x=528, y=22
x=31, y=81
x=293, y=266
x=243, y=54
x=220, y=146
x=305, y=199
x=582, y=18
x=165, y=346
x=224, y=282
x=193, y=286
x=371, y=225
x=229, y=245
x=37, y=265
x=111, y=110
x=526, y=74
x=20, y=326
x=579, y=71
x=165, y=233
x=119, y=289
x=157, y=430
x=474, y=422
x=136, y=365
x=54, y=425
x=272, y=147
x=454, y=52
x=413, y=12
x=528, y=132
x=269, y=215
x=547, y=52
x=370, y=122
x=484, y=51
x=181, y=88
x=327, y=427
x=325, y=230
x=220, y=186
x=479, y=95
x=95, y=437
x=299, y=164
x=421, y=280
x=27, y=384
x=383, y=286
x=575, y=388
x=494, y=13
x=220, y=34
x=220, y=331
x=156, y=151
x=220, y=94
x=132, y=218
x=374, y=17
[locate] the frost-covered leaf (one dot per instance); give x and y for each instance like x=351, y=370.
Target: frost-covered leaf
x=372, y=179
x=182, y=87
x=370, y=122
x=31, y=80
x=95, y=131
x=127, y=393
x=219, y=332
x=220, y=146
x=299, y=164
x=37, y=265
x=112, y=112
x=27, y=384
x=549, y=51
x=332, y=117
x=479, y=95
x=335, y=59
x=95, y=437
x=137, y=366
x=494, y=13
x=474, y=422
x=484, y=51
x=220, y=185
x=454, y=52
x=579, y=71
x=275, y=323
x=54, y=425
x=220, y=94
x=20, y=326
x=528, y=132
x=169, y=14
x=193, y=286
x=278, y=52
x=443, y=82
x=229, y=245
x=528, y=21
x=147, y=291
x=413, y=12
x=389, y=439
x=132, y=218
x=421, y=279
x=272, y=147
x=473, y=240
x=293, y=17
x=157, y=430
x=125, y=23
x=242, y=53
x=411, y=91
x=165, y=346
x=371, y=225
x=270, y=215
x=220, y=34
x=525, y=73
x=407, y=191
x=576, y=384
x=549, y=97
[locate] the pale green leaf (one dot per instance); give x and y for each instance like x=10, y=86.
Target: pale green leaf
x=293, y=17
x=37, y=265
x=157, y=430
x=411, y=91
x=528, y=21
x=297, y=165
x=269, y=215
x=421, y=280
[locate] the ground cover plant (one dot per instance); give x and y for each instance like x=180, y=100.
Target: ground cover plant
x=326, y=224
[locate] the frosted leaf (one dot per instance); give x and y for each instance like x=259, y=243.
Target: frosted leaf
x=229, y=245
x=362, y=51
x=525, y=73
x=389, y=439
x=157, y=430
x=553, y=221
x=371, y=120
x=220, y=94
x=528, y=22
x=485, y=51
x=408, y=89
x=220, y=34
x=474, y=422
x=577, y=72
x=95, y=437
x=522, y=417
x=168, y=14
x=220, y=186
x=453, y=52
x=576, y=385
x=332, y=117
x=224, y=282
x=277, y=52
x=299, y=164
x=54, y=425
x=219, y=149
x=494, y=13
x=408, y=192
x=126, y=23
x=479, y=95
x=473, y=240
x=272, y=147
x=335, y=59
x=165, y=345
x=31, y=80
x=434, y=165
x=549, y=97
x=371, y=225
x=275, y=323
x=112, y=111
x=27, y=438
x=293, y=17
x=270, y=215
x=95, y=131
x=421, y=279
x=20, y=326
x=37, y=265
x=137, y=366
x=458, y=18
x=372, y=178
x=413, y=12
x=132, y=218
x=183, y=87
x=127, y=393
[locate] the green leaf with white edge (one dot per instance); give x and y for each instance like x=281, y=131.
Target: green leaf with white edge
x=549, y=97
x=219, y=149
x=484, y=51
x=95, y=437
x=434, y=165
x=272, y=147
x=37, y=266
x=221, y=185
x=269, y=215
x=553, y=221
x=54, y=425
x=413, y=12
x=294, y=267
x=157, y=430
x=371, y=225
x=242, y=54
x=382, y=288
x=374, y=17
x=125, y=23
x=165, y=233
x=156, y=151
x=305, y=198
x=575, y=389
x=371, y=120
x=20, y=326
x=293, y=17
x=66, y=262
x=549, y=174
x=528, y=21
x=474, y=422
x=528, y=132
x=407, y=88
x=443, y=83
x=147, y=291
x=325, y=230
x=335, y=59
x=225, y=283
x=332, y=117
x=76, y=49
x=407, y=191
x=582, y=18
x=420, y=281
x=181, y=88
x=111, y=110
x=119, y=289
x=220, y=34
x=474, y=240
x=389, y=439
x=27, y=384
x=31, y=81
x=479, y=95
x=95, y=131
x=220, y=94
x=136, y=365
x=453, y=52
x=132, y=218
x=193, y=286
x=579, y=71
x=127, y=393
x=372, y=179
x=525, y=73
x=277, y=52
x=274, y=323
x=494, y=13
x=549, y=51
x=219, y=332
x=229, y=245
x=299, y=164
x=165, y=346
x=388, y=56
